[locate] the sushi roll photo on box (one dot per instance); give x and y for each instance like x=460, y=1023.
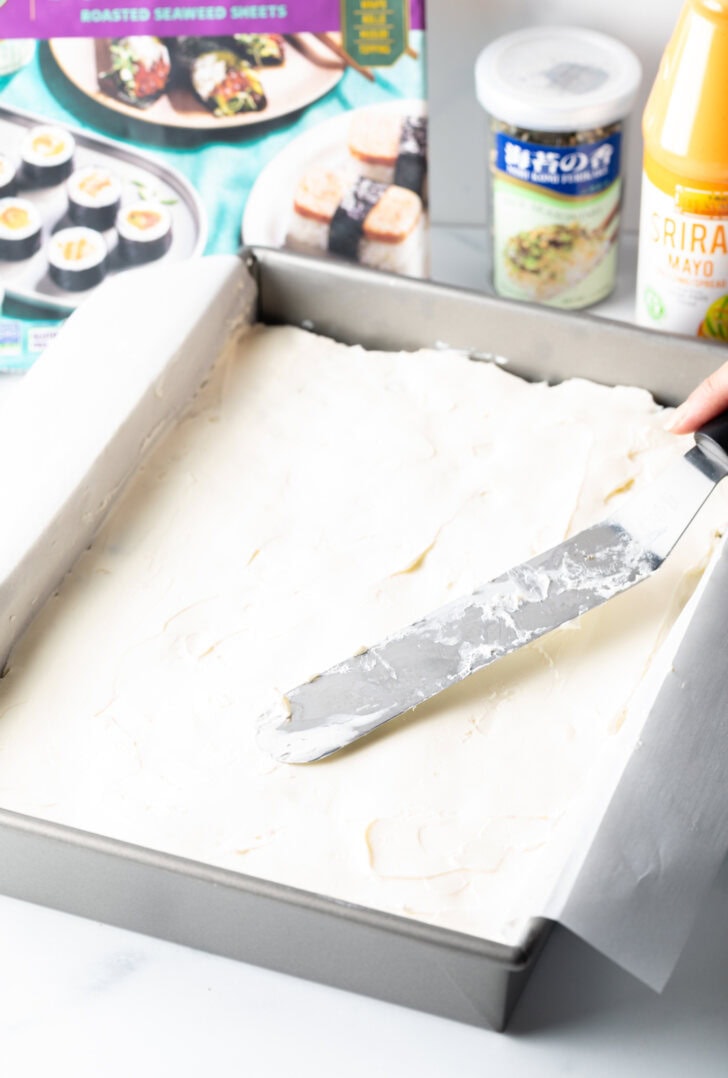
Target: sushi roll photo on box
x=259, y=50
x=301, y=127
x=391, y=148
x=94, y=197
x=20, y=229
x=77, y=258
x=224, y=79
x=367, y=201
x=145, y=232
x=376, y=224
x=225, y=84
x=47, y=156
x=139, y=70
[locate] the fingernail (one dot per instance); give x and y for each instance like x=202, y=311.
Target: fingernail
x=679, y=416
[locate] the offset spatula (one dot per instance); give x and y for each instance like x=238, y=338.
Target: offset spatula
x=359, y=694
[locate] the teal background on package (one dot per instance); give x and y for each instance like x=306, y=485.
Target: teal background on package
x=222, y=166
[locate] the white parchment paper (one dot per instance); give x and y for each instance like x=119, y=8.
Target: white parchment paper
x=658, y=831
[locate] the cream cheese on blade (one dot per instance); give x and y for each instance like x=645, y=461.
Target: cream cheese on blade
x=315, y=499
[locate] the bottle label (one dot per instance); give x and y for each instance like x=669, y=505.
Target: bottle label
x=682, y=275
x=555, y=219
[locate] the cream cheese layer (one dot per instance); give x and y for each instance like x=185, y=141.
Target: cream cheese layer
x=315, y=499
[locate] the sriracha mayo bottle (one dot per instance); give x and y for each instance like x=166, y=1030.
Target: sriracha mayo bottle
x=682, y=277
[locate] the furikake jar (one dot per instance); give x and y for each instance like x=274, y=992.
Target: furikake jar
x=557, y=98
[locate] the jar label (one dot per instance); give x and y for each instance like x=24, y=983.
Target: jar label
x=682, y=275
x=583, y=169
x=555, y=220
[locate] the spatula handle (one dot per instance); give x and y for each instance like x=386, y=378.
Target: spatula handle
x=712, y=438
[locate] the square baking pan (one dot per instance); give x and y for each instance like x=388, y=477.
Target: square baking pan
x=115, y=408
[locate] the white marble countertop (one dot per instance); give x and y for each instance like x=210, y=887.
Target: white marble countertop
x=79, y=998
x=83, y=999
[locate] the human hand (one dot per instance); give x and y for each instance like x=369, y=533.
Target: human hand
x=705, y=402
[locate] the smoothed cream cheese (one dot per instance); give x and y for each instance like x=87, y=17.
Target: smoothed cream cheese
x=315, y=499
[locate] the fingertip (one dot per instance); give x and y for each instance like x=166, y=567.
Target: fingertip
x=680, y=420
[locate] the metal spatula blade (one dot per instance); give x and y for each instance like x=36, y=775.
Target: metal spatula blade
x=357, y=695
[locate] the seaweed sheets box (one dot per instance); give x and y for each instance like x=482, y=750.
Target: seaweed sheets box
x=134, y=134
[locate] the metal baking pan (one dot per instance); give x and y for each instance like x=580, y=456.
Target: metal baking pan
x=140, y=176
x=382, y=955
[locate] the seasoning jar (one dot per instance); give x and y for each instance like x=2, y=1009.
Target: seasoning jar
x=557, y=97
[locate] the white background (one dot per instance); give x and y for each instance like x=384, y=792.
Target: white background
x=85, y=1000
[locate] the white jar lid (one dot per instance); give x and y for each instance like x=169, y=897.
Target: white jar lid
x=557, y=78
